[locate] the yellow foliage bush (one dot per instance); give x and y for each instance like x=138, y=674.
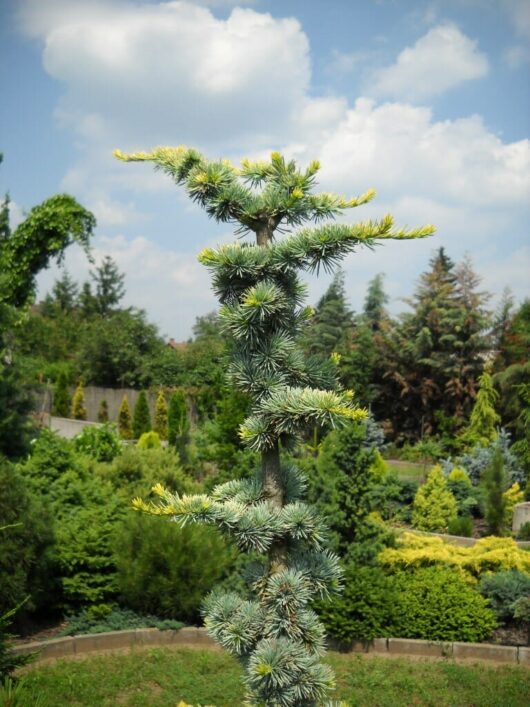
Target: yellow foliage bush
x=487, y=555
x=512, y=497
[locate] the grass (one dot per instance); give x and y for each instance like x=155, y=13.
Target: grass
x=409, y=470
x=162, y=677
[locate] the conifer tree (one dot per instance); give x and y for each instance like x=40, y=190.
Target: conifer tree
x=495, y=482
x=276, y=634
x=65, y=292
x=124, y=419
x=177, y=422
x=103, y=412
x=61, y=397
x=434, y=505
x=142, y=417
x=110, y=289
x=332, y=321
x=160, y=426
x=484, y=420
x=374, y=311
x=78, y=411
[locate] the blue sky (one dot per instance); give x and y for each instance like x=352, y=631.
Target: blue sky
x=428, y=102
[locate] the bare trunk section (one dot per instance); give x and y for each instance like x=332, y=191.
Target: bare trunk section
x=270, y=459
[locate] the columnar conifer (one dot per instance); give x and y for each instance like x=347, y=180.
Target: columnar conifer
x=124, y=419
x=160, y=426
x=275, y=633
x=142, y=417
x=78, y=403
x=61, y=396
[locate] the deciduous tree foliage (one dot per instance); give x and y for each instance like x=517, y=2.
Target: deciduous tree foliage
x=43, y=235
x=276, y=634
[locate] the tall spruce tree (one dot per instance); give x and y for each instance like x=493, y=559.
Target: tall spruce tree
x=65, y=292
x=332, y=322
x=276, y=634
x=110, y=289
x=374, y=312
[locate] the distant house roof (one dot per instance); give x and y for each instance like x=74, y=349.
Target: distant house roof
x=177, y=345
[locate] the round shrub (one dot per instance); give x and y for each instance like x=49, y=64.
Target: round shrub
x=149, y=440
x=102, y=442
x=364, y=610
x=438, y=604
x=503, y=589
x=166, y=570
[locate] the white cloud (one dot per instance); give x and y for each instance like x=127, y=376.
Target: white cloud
x=441, y=59
x=158, y=72
x=139, y=75
x=399, y=149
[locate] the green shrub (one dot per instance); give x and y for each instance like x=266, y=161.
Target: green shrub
x=365, y=608
x=136, y=471
x=102, y=617
x=87, y=512
x=149, y=440
x=26, y=538
x=99, y=442
x=466, y=495
x=462, y=526
x=438, y=604
x=166, y=570
x=8, y=660
x=524, y=531
x=503, y=589
x=434, y=506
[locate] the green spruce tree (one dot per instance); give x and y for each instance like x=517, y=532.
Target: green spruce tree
x=124, y=419
x=160, y=426
x=142, y=417
x=65, y=293
x=110, y=288
x=276, y=635
x=62, y=401
x=332, y=322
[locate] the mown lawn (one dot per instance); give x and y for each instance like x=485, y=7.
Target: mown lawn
x=163, y=677
x=409, y=470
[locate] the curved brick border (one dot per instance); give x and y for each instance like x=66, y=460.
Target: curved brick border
x=197, y=638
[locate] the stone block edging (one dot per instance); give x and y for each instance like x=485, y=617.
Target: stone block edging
x=192, y=637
